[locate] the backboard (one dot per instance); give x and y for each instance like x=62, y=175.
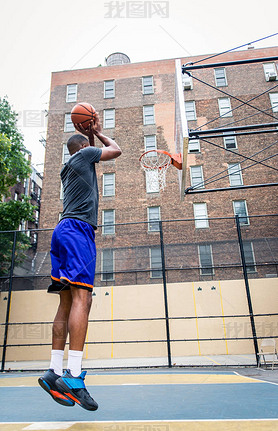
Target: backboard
x=181, y=128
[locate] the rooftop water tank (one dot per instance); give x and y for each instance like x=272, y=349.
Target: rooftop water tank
x=116, y=59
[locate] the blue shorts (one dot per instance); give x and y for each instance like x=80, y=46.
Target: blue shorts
x=73, y=255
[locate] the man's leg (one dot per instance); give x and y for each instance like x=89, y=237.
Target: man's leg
x=77, y=326
x=78, y=318
x=59, y=336
x=60, y=324
x=71, y=384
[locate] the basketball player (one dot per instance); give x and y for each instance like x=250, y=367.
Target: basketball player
x=73, y=259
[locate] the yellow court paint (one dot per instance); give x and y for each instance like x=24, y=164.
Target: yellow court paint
x=178, y=425
x=141, y=379
x=112, y=335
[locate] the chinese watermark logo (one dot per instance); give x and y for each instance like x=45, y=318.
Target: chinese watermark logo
x=137, y=9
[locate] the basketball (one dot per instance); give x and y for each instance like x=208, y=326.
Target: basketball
x=83, y=113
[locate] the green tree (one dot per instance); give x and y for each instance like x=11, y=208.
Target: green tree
x=13, y=163
x=14, y=167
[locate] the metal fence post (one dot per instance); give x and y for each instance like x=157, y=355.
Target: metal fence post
x=8, y=304
x=165, y=294
x=244, y=269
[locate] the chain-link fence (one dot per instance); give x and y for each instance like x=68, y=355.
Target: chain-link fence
x=172, y=291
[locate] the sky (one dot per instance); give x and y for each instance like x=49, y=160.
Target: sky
x=40, y=37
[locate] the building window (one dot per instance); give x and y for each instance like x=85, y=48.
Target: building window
x=200, y=215
x=71, y=93
x=107, y=265
x=220, y=77
x=240, y=209
x=235, y=175
x=108, y=222
x=270, y=72
x=155, y=262
x=109, y=89
x=68, y=127
x=37, y=216
x=16, y=196
x=190, y=110
x=109, y=118
x=66, y=154
x=205, y=257
x=249, y=256
x=153, y=219
x=225, y=109
x=150, y=142
x=152, y=183
x=197, y=177
x=109, y=184
x=194, y=146
x=274, y=101
x=229, y=141
x=147, y=84
x=148, y=114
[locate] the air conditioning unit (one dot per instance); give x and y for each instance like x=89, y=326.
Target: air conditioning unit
x=187, y=83
x=272, y=76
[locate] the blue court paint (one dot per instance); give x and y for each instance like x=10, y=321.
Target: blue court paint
x=149, y=402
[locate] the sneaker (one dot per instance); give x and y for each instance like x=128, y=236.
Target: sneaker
x=47, y=382
x=74, y=388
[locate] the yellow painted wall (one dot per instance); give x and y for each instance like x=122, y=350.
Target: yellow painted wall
x=195, y=300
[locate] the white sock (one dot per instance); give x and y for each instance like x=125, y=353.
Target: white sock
x=57, y=361
x=74, y=362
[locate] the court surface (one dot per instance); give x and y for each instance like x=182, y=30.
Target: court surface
x=148, y=400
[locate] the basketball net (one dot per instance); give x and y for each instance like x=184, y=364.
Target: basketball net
x=156, y=163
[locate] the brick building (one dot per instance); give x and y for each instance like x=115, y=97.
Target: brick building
x=136, y=103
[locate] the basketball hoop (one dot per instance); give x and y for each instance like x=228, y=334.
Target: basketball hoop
x=157, y=162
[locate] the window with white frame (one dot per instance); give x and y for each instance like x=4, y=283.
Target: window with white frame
x=66, y=154
x=224, y=104
x=230, y=142
x=109, y=184
x=274, y=101
x=16, y=196
x=201, y=215
x=150, y=142
x=109, y=118
x=194, y=146
x=109, y=89
x=249, y=255
x=235, y=175
x=220, y=77
x=190, y=110
x=152, y=183
x=68, y=126
x=71, y=93
x=108, y=222
x=270, y=71
x=197, y=177
x=240, y=209
x=155, y=262
x=205, y=258
x=107, y=265
x=147, y=84
x=148, y=114
x=153, y=219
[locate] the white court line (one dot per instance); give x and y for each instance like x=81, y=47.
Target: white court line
x=255, y=378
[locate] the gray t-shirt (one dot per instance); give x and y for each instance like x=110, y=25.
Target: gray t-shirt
x=80, y=186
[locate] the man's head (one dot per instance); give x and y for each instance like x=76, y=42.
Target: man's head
x=76, y=142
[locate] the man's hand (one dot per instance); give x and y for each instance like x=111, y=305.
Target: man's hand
x=93, y=129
